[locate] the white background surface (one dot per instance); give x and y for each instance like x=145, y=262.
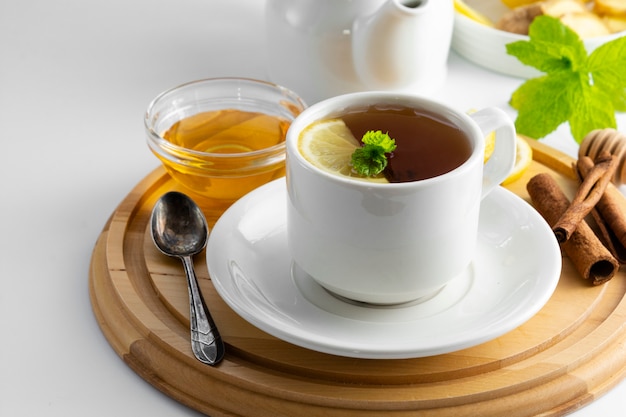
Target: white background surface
x=75, y=79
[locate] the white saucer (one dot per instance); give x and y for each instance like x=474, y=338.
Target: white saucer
x=515, y=272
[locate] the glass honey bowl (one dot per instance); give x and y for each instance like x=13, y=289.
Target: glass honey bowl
x=221, y=138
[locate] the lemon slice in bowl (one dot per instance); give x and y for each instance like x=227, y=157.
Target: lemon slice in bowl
x=461, y=7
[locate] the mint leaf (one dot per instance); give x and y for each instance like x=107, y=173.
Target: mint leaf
x=552, y=46
x=576, y=88
x=590, y=104
x=610, y=57
x=544, y=56
x=529, y=100
x=371, y=159
x=552, y=31
x=608, y=66
x=380, y=139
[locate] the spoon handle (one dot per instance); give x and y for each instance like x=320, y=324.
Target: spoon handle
x=206, y=342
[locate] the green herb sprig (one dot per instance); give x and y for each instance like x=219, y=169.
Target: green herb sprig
x=584, y=90
x=371, y=159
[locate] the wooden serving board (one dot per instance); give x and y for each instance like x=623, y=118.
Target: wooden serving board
x=571, y=352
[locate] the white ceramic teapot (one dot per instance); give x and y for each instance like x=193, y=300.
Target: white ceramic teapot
x=322, y=48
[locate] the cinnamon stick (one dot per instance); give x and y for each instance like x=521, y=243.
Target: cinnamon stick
x=589, y=256
x=587, y=196
x=609, y=213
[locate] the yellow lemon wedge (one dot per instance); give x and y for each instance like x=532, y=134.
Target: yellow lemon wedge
x=523, y=158
x=461, y=7
x=490, y=143
x=523, y=155
x=329, y=145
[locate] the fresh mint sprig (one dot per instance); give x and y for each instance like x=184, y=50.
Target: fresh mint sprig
x=584, y=90
x=371, y=159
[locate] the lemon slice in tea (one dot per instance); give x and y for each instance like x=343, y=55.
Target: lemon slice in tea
x=329, y=144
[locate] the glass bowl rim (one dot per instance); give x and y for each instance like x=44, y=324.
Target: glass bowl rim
x=169, y=148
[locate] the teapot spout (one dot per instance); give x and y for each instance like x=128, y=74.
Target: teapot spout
x=404, y=44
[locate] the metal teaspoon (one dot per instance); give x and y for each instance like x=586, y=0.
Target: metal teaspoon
x=179, y=229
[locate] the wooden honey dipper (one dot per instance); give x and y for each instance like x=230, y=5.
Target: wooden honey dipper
x=609, y=140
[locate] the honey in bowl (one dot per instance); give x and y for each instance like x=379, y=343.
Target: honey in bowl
x=228, y=131
x=233, y=138
x=221, y=138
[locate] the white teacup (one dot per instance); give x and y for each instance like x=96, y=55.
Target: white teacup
x=392, y=242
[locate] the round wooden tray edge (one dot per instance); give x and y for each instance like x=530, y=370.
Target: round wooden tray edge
x=136, y=340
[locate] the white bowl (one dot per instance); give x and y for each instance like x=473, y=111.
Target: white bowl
x=486, y=46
